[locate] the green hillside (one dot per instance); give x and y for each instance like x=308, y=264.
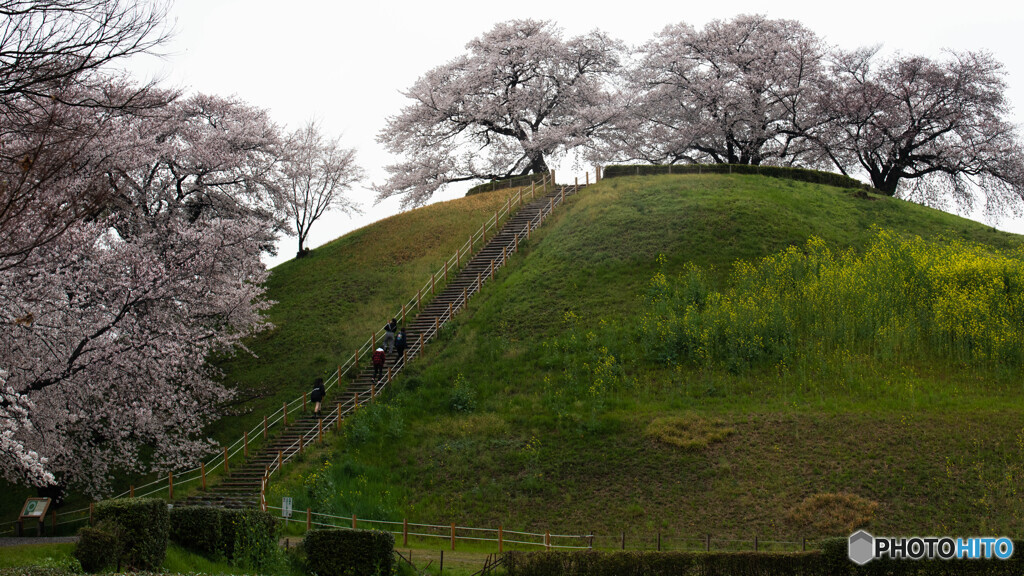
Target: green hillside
x=545, y=408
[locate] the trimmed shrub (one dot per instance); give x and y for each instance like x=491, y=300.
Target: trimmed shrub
x=511, y=182
x=801, y=174
x=249, y=537
x=343, y=552
x=98, y=547
x=144, y=525
x=198, y=528
x=830, y=560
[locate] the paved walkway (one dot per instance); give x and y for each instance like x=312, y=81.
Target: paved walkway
x=27, y=540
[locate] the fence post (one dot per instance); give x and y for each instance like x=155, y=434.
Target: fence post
x=405, y=531
x=453, y=535
x=90, y=513
x=805, y=544
x=515, y=243
x=435, y=325
x=501, y=539
x=357, y=399
x=449, y=310
x=245, y=443
x=353, y=521
x=202, y=473
x=432, y=278
x=300, y=443
x=588, y=178
x=421, y=343
x=356, y=364
x=419, y=296
x=464, y=300
x=707, y=544
x=623, y=540
x=285, y=408
x=339, y=365
x=320, y=430
x=339, y=415
x=264, y=426
x=492, y=269
x=403, y=314
x=373, y=340
x=533, y=189
x=309, y=519
x=131, y=491
x=547, y=539
x=755, y=543
x=659, y=541
x=225, y=459
x=446, y=271
x=458, y=258
x=477, y=281
x=170, y=485
x=304, y=394
x=577, y=183
x=280, y=459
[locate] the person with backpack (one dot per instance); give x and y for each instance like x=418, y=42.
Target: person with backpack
x=378, y=364
x=317, y=396
x=400, y=342
x=389, y=335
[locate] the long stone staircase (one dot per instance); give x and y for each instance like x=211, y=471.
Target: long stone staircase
x=243, y=485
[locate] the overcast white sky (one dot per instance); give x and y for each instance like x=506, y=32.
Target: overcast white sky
x=345, y=64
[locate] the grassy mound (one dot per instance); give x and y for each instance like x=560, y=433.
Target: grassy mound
x=572, y=409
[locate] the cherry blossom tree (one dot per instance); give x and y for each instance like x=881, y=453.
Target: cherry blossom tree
x=106, y=328
x=53, y=55
x=316, y=173
x=521, y=96
x=738, y=91
x=926, y=129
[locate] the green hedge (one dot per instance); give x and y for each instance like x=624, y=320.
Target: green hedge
x=343, y=552
x=98, y=547
x=198, y=528
x=510, y=182
x=592, y=563
x=246, y=537
x=831, y=560
x=249, y=537
x=801, y=174
x=144, y=525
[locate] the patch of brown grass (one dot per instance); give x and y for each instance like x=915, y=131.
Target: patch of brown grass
x=689, y=432
x=832, y=514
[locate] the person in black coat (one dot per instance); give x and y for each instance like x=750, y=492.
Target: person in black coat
x=317, y=396
x=400, y=342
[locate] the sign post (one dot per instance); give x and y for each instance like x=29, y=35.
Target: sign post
x=34, y=508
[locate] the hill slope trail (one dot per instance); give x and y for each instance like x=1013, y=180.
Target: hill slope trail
x=242, y=486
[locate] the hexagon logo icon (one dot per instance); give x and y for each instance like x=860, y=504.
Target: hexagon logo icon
x=861, y=547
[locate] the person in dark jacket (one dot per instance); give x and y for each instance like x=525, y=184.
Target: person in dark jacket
x=378, y=364
x=400, y=342
x=317, y=396
x=389, y=335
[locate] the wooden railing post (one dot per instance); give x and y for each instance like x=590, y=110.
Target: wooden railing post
x=419, y=296
x=285, y=408
x=280, y=459
x=309, y=519
x=435, y=325
x=587, y=181
x=170, y=485
x=464, y=300
x=405, y=532
x=225, y=459
x=202, y=474
x=264, y=426
x=320, y=430
x=433, y=277
x=245, y=443
x=449, y=310
x=492, y=269
x=339, y=416
x=131, y=491
x=339, y=375
x=304, y=401
x=373, y=340
x=501, y=539
x=354, y=521
x=453, y=535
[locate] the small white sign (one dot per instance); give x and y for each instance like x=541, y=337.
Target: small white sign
x=286, y=507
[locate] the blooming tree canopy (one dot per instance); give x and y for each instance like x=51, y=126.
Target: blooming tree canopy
x=939, y=125
x=521, y=96
x=734, y=92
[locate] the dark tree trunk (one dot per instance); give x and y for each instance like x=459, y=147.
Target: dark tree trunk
x=537, y=163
